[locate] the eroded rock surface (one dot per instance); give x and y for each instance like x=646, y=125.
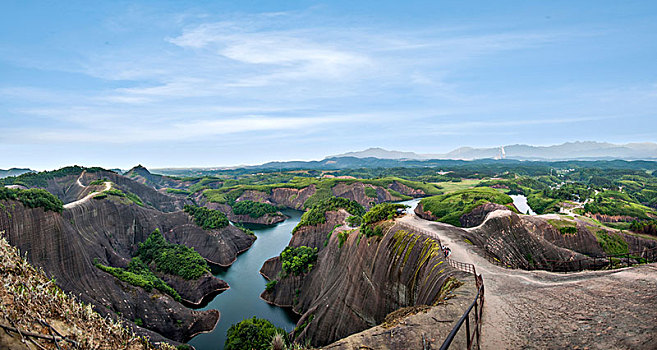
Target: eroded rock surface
x=354, y=286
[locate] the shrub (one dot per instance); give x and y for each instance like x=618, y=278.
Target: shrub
x=354, y=221
x=172, y=258
x=298, y=260
x=611, y=243
x=380, y=212
x=33, y=198
x=270, y=285
x=253, y=209
x=177, y=191
x=450, y=207
x=208, y=219
x=138, y=274
x=370, y=192
x=316, y=215
x=97, y=182
x=253, y=334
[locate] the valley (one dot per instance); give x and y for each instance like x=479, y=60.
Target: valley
x=301, y=248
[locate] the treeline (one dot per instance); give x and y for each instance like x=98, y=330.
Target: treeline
x=253, y=209
x=316, y=214
x=647, y=227
x=33, y=198
x=41, y=179
x=208, y=219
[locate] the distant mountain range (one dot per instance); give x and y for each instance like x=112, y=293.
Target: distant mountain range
x=587, y=150
x=14, y=172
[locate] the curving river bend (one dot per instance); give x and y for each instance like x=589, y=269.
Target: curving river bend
x=242, y=300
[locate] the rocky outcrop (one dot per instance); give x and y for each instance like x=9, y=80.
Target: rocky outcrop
x=424, y=214
x=416, y=327
x=141, y=175
x=354, y=286
x=471, y=219
x=296, y=198
x=529, y=242
x=406, y=190
x=267, y=219
x=478, y=214
x=195, y=292
x=356, y=192
x=66, y=246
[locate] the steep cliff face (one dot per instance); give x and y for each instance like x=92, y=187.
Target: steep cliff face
x=525, y=241
x=267, y=219
x=354, y=285
x=296, y=198
x=66, y=245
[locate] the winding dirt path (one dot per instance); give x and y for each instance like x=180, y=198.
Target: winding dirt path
x=539, y=309
x=108, y=185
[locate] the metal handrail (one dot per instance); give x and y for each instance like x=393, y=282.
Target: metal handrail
x=466, y=319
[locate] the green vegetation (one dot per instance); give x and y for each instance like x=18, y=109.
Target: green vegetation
x=617, y=203
x=316, y=215
x=33, y=198
x=342, y=237
x=450, y=207
x=452, y=186
x=231, y=190
x=116, y=192
x=172, y=258
x=298, y=260
x=541, y=204
x=611, y=243
x=253, y=209
x=252, y=334
x=565, y=227
x=208, y=219
x=138, y=274
x=647, y=227
x=165, y=257
x=354, y=221
x=178, y=191
x=271, y=285
x=244, y=229
x=41, y=179
x=98, y=182
x=380, y=212
x=370, y=192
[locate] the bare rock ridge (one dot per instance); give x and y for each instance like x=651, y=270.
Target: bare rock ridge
x=527, y=242
x=107, y=231
x=295, y=198
x=354, y=285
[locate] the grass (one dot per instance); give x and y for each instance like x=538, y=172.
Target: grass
x=118, y=193
x=450, y=187
x=450, y=207
x=34, y=297
x=565, y=227
x=611, y=243
x=317, y=214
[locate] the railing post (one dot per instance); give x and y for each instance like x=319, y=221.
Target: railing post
x=467, y=331
x=477, y=322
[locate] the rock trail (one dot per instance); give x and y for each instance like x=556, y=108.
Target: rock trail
x=612, y=309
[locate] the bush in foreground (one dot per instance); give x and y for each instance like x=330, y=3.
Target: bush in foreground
x=252, y=334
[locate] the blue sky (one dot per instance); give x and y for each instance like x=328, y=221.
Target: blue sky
x=213, y=83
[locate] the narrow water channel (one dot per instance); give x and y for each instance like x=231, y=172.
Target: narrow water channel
x=242, y=300
x=520, y=201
